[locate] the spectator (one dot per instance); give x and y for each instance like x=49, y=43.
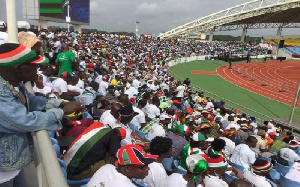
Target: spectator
x=22, y=112
x=261, y=134
x=279, y=144
x=243, y=155
x=132, y=163
x=66, y=60
x=158, y=128
x=259, y=173
x=240, y=183
x=177, y=136
x=98, y=144
x=196, y=165
x=289, y=154
x=3, y=33
x=216, y=168
x=157, y=175
x=294, y=172
x=198, y=144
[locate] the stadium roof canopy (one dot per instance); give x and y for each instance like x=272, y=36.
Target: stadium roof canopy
x=251, y=15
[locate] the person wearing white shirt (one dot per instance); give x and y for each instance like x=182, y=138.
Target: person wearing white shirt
x=177, y=180
x=103, y=87
x=75, y=89
x=140, y=119
x=294, y=172
x=80, y=84
x=289, y=155
x=136, y=83
x=214, y=181
x=60, y=86
x=109, y=117
x=180, y=91
x=3, y=37
x=156, y=130
x=3, y=33
x=56, y=47
x=233, y=125
x=132, y=162
x=39, y=87
x=126, y=114
x=209, y=105
x=243, y=155
x=152, y=109
x=131, y=91
x=196, y=165
x=259, y=171
x=127, y=140
x=229, y=147
x=157, y=175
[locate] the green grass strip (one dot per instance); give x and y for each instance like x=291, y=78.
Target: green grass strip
x=236, y=94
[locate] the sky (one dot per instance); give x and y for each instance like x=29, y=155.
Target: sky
x=155, y=16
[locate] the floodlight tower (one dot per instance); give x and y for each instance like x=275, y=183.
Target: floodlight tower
x=136, y=28
x=68, y=18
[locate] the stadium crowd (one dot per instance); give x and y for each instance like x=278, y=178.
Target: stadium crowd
x=132, y=123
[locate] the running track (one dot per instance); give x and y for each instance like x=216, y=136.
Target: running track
x=273, y=75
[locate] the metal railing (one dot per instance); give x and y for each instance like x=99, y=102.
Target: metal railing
x=48, y=169
x=49, y=172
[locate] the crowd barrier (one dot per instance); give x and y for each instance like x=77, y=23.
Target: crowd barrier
x=49, y=172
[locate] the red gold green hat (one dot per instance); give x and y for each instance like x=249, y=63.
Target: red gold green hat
x=12, y=54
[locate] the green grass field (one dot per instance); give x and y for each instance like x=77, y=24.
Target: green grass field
x=244, y=100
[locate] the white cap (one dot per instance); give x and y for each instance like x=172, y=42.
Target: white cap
x=164, y=116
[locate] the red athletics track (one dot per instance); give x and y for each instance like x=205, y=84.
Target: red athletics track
x=277, y=76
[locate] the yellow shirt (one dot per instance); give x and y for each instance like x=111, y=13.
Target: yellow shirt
x=113, y=82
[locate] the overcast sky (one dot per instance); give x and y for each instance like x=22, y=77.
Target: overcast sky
x=155, y=16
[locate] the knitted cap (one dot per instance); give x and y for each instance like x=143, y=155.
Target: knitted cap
x=244, y=126
x=12, y=54
x=205, y=125
x=293, y=144
x=183, y=129
x=204, y=111
x=261, y=166
x=217, y=162
x=196, y=164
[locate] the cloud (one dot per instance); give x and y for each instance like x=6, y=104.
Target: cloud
x=155, y=15
x=147, y=9
x=94, y=7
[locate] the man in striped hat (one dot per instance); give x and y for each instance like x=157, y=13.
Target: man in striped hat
x=23, y=112
x=259, y=173
x=289, y=154
x=216, y=167
x=132, y=162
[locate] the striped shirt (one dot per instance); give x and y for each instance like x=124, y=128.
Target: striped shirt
x=148, y=127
